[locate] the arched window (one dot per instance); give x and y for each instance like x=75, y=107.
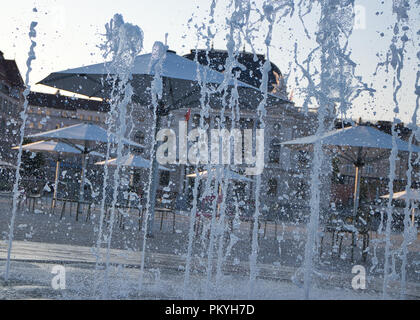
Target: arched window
x=139, y=138
x=274, y=153
x=303, y=157
x=369, y=169
x=272, y=187
x=196, y=120
x=277, y=126
x=164, y=178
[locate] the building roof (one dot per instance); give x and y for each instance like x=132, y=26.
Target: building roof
x=251, y=74
x=9, y=72
x=57, y=101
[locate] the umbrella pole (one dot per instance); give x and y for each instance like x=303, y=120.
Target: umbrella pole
x=218, y=197
x=130, y=189
x=82, y=184
x=154, y=181
x=356, y=190
x=412, y=216
x=153, y=190
x=356, y=205
x=57, y=173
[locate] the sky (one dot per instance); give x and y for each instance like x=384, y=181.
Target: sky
x=69, y=33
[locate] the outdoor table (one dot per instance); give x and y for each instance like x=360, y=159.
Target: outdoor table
x=198, y=226
x=71, y=201
x=120, y=217
x=198, y=222
x=250, y=220
x=163, y=212
x=31, y=199
x=230, y=217
x=340, y=231
x=266, y=221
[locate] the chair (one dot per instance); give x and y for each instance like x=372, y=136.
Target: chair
x=166, y=206
x=340, y=226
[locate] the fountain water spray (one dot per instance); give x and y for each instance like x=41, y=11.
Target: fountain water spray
x=331, y=85
x=124, y=43
x=158, y=57
x=335, y=28
x=270, y=13
x=24, y=116
x=409, y=230
x=397, y=63
x=239, y=18
x=203, y=113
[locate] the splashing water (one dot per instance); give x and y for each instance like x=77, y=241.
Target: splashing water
x=203, y=113
x=409, y=230
x=328, y=83
x=24, y=116
x=156, y=62
x=397, y=63
x=124, y=43
x=335, y=85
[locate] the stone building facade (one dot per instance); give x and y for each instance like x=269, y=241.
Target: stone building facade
x=11, y=104
x=284, y=181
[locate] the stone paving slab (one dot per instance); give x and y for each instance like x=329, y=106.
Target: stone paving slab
x=55, y=253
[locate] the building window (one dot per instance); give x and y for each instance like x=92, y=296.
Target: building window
x=139, y=137
x=301, y=189
x=272, y=187
x=164, y=178
x=246, y=123
x=349, y=168
x=274, y=154
x=369, y=169
x=303, y=157
x=196, y=120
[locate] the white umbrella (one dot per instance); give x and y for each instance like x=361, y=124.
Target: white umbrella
x=232, y=175
x=412, y=196
x=180, y=80
x=226, y=173
x=87, y=133
x=359, y=137
x=50, y=146
x=130, y=160
x=54, y=147
x=133, y=161
x=82, y=132
x=7, y=165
